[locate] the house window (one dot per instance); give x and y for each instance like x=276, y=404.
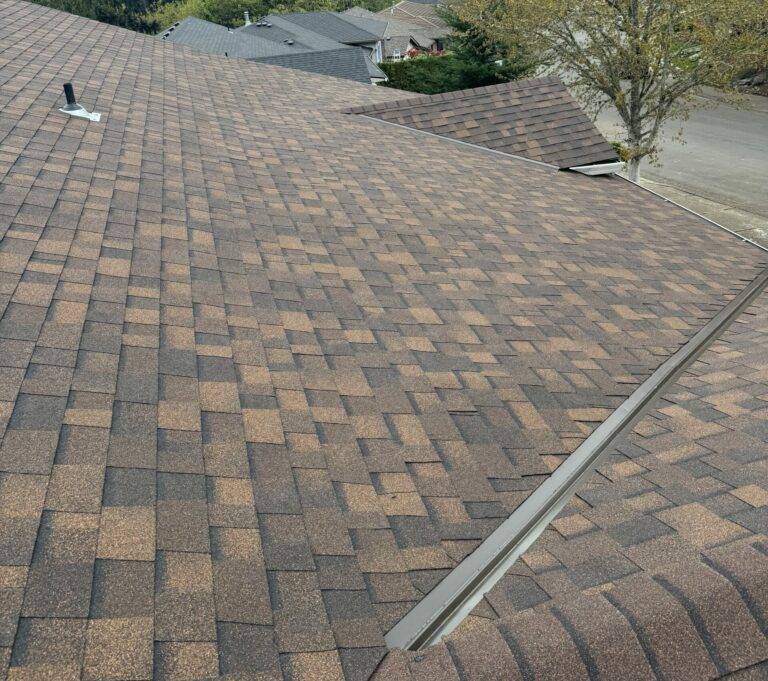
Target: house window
x=377, y=53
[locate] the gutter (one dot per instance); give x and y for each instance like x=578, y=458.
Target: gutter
x=693, y=212
x=443, y=608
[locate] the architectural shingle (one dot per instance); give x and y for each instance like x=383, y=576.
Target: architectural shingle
x=215, y=39
x=297, y=48
x=350, y=63
x=424, y=14
x=331, y=25
x=657, y=569
x=535, y=118
x=269, y=371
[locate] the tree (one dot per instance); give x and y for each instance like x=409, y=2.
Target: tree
x=230, y=12
x=126, y=13
x=427, y=74
x=646, y=58
x=481, y=57
x=431, y=74
x=474, y=59
x=223, y=12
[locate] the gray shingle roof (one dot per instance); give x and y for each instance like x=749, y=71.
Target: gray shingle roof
x=214, y=39
x=396, y=34
x=281, y=30
x=391, y=26
x=535, y=118
x=365, y=20
x=396, y=46
x=309, y=51
x=421, y=14
x=347, y=62
x=331, y=25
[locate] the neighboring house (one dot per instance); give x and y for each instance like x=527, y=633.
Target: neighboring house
x=277, y=41
x=206, y=36
x=319, y=31
x=345, y=62
x=271, y=374
x=334, y=26
x=424, y=15
x=398, y=38
x=277, y=28
x=382, y=39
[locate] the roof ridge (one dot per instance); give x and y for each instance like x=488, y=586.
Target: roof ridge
x=408, y=102
x=423, y=18
x=327, y=13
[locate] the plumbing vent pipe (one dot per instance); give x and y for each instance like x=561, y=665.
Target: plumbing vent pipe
x=69, y=93
x=72, y=108
x=247, y=18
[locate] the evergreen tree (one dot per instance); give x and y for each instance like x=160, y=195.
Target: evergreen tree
x=481, y=59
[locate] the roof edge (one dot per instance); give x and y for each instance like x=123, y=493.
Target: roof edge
x=415, y=100
x=693, y=212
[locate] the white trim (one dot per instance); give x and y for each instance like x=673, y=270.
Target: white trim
x=599, y=168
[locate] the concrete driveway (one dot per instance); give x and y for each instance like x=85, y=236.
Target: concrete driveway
x=720, y=168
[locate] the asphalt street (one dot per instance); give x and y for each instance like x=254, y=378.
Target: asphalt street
x=722, y=156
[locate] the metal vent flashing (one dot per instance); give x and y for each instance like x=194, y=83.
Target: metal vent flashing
x=72, y=108
x=443, y=608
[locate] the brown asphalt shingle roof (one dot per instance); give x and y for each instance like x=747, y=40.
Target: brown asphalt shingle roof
x=659, y=567
x=537, y=119
x=260, y=385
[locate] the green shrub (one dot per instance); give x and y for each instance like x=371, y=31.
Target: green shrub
x=427, y=74
x=431, y=74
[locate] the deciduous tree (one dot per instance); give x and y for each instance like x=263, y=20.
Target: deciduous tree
x=646, y=58
x=126, y=13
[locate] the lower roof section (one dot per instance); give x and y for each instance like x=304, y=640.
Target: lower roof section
x=536, y=119
x=659, y=567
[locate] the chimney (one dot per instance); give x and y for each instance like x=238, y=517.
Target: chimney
x=247, y=18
